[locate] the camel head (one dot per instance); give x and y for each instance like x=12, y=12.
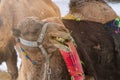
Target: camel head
x=30, y=29
x=53, y=38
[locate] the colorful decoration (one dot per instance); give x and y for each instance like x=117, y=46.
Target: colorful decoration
x=73, y=63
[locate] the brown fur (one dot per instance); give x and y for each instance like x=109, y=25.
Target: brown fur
x=4, y=75
x=116, y=39
x=96, y=49
x=31, y=32
x=92, y=10
x=11, y=12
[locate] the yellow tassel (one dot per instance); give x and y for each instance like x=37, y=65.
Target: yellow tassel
x=24, y=53
x=69, y=16
x=77, y=19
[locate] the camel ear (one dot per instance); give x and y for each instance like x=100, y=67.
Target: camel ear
x=16, y=32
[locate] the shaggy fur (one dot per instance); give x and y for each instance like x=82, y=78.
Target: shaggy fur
x=96, y=49
x=30, y=29
x=92, y=10
x=11, y=12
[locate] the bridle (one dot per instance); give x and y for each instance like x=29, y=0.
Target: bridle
x=39, y=44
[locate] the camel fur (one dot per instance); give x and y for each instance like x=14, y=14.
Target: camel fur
x=97, y=48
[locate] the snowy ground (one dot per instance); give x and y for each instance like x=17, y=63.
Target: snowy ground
x=63, y=5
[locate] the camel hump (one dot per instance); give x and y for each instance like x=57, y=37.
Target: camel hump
x=92, y=10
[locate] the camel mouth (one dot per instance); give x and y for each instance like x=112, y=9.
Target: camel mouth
x=60, y=42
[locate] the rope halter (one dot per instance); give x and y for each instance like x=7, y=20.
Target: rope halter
x=39, y=44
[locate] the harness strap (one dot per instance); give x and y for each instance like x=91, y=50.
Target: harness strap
x=28, y=43
x=47, y=64
x=42, y=34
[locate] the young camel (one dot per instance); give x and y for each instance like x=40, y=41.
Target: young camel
x=30, y=29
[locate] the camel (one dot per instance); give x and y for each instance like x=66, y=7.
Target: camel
x=96, y=47
x=11, y=12
x=29, y=29
x=91, y=35
x=92, y=10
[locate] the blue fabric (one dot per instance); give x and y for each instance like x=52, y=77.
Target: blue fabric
x=22, y=49
x=34, y=62
x=27, y=57
x=111, y=24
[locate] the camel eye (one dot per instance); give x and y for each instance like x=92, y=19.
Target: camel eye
x=34, y=32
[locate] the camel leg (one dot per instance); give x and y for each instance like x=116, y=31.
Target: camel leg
x=12, y=66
